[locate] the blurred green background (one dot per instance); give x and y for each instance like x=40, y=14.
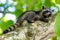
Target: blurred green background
x=10, y=10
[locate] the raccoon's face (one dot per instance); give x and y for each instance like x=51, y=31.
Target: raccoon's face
x=46, y=14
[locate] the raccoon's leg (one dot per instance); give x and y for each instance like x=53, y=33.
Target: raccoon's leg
x=31, y=18
x=45, y=20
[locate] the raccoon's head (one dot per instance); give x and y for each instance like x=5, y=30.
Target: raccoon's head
x=46, y=14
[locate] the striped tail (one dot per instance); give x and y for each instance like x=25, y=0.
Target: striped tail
x=11, y=28
x=18, y=23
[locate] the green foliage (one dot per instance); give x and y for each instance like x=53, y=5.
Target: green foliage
x=57, y=25
x=49, y=3
x=24, y=5
x=57, y=22
x=57, y=1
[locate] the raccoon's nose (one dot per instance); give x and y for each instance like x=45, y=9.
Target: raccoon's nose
x=49, y=14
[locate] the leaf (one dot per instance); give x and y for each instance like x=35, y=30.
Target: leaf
x=57, y=25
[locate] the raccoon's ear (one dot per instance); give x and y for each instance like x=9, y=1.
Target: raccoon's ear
x=43, y=7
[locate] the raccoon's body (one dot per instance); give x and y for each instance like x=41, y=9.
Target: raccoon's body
x=31, y=17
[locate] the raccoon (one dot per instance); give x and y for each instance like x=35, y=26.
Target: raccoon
x=31, y=17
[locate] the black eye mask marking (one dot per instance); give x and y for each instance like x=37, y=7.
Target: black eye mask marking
x=47, y=14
